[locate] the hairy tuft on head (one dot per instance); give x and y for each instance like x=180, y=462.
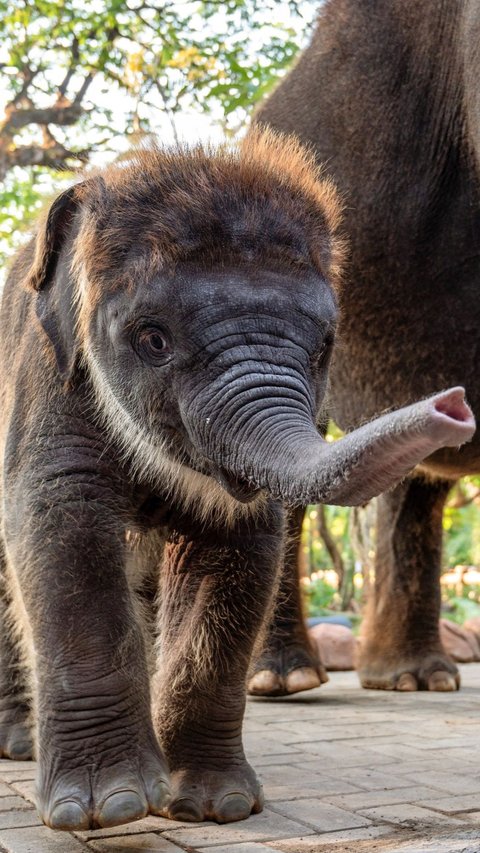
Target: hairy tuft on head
x=294, y=163
x=263, y=199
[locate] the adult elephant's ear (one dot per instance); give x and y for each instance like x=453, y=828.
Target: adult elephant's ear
x=50, y=277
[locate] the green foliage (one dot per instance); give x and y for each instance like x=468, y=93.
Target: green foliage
x=320, y=597
x=338, y=518
x=22, y=195
x=460, y=608
x=461, y=525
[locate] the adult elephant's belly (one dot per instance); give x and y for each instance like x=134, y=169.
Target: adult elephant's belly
x=399, y=343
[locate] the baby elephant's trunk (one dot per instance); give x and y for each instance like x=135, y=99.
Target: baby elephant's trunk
x=298, y=467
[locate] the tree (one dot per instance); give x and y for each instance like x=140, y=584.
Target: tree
x=82, y=77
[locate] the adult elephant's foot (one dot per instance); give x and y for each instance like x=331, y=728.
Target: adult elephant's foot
x=401, y=649
x=432, y=670
x=89, y=788
x=226, y=795
x=286, y=666
x=16, y=741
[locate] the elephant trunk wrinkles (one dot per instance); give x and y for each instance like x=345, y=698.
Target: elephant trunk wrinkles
x=286, y=455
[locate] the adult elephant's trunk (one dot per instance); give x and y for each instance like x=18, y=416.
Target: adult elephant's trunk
x=284, y=453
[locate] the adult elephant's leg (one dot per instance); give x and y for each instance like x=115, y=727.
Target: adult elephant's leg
x=401, y=649
x=99, y=763
x=16, y=740
x=289, y=662
x=216, y=588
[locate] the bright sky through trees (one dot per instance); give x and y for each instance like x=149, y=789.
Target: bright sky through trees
x=81, y=81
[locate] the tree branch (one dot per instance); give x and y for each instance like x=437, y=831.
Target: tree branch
x=330, y=545
x=54, y=156
x=28, y=75
x=50, y=115
x=62, y=89
x=83, y=89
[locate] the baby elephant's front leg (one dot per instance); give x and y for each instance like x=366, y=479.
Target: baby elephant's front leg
x=216, y=588
x=99, y=761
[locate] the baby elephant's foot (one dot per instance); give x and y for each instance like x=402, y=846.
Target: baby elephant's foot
x=220, y=795
x=287, y=667
x=428, y=671
x=115, y=785
x=16, y=741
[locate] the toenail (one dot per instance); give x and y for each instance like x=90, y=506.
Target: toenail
x=407, y=682
x=185, y=809
x=233, y=807
x=442, y=681
x=122, y=807
x=265, y=682
x=68, y=815
x=20, y=750
x=303, y=678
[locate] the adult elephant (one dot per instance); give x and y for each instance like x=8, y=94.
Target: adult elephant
x=387, y=94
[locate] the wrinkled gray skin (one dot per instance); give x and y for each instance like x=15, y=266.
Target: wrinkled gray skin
x=388, y=96
x=124, y=400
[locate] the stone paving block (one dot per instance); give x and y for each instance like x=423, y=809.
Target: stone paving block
x=327, y=841
x=6, y=790
x=262, y=827
x=13, y=766
x=17, y=775
x=287, y=759
x=18, y=818
x=294, y=780
x=40, y=839
x=13, y=802
x=451, y=738
x=319, y=815
x=370, y=799
x=454, y=784
x=324, y=756
x=130, y=843
x=466, y=757
x=273, y=793
x=471, y=817
x=396, y=750
x=252, y=847
x=451, y=804
x=422, y=765
x=26, y=788
x=303, y=734
x=410, y=815
x=258, y=745
x=146, y=824
x=374, y=780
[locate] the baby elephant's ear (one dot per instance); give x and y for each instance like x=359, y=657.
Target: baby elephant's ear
x=51, y=238
x=50, y=277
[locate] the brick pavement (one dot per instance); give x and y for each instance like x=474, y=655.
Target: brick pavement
x=345, y=771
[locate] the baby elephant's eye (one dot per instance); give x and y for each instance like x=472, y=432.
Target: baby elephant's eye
x=324, y=352
x=152, y=345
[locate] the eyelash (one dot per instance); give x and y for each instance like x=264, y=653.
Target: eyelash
x=325, y=351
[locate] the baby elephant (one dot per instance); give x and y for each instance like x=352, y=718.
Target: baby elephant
x=164, y=350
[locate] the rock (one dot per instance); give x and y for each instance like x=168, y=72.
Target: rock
x=459, y=642
x=473, y=625
x=336, y=645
